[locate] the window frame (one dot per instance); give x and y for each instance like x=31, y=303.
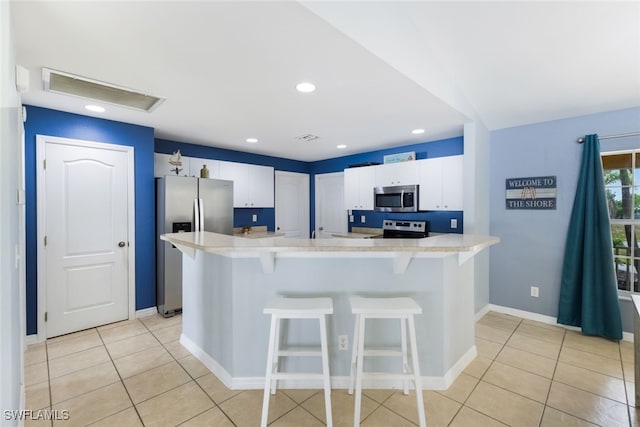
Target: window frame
x=635, y=223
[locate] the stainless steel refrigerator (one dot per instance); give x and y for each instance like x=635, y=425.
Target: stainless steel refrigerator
x=186, y=204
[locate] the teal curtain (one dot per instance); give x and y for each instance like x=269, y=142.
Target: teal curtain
x=588, y=292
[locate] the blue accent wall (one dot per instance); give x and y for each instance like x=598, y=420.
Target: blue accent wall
x=439, y=221
x=241, y=216
x=42, y=121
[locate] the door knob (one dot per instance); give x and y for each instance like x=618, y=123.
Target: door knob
x=321, y=228
x=122, y=244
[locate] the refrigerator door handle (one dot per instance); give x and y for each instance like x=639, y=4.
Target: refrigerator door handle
x=196, y=215
x=201, y=202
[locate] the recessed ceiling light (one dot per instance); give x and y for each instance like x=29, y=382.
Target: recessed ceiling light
x=417, y=131
x=341, y=146
x=252, y=140
x=95, y=108
x=305, y=87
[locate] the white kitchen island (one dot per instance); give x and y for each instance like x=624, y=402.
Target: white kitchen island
x=227, y=279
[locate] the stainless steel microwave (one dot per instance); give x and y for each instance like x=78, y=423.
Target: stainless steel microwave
x=399, y=198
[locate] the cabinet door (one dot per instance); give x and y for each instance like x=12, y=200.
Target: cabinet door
x=452, y=185
x=402, y=173
x=162, y=167
x=260, y=186
x=365, y=190
x=237, y=172
x=351, y=188
x=195, y=164
x=430, y=181
x=358, y=188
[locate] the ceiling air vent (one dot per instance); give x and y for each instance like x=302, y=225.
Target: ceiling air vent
x=69, y=84
x=307, y=138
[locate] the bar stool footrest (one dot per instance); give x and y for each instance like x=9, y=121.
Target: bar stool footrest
x=300, y=351
x=382, y=352
x=387, y=375
x=296, y=376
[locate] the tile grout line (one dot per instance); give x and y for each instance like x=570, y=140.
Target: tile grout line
x=215, y=404
x=121, y=381
x=553, y=375
x=464, y=404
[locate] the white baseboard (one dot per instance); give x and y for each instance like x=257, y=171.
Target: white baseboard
x=146, y=312
x=31, y=339
x=341, y=382
x=626, y=336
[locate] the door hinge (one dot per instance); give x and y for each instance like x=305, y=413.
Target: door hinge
x=46, y=316
x=45, y=240
x=44, y=164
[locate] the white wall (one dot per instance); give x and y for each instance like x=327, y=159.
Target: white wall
x=12, y=330
x=476, y=202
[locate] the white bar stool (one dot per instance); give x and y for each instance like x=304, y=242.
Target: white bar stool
x=402, y=308
x=296, y=308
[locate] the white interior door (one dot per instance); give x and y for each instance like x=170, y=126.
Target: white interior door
x=86, y=234
x=330, y=213
x=292, y=204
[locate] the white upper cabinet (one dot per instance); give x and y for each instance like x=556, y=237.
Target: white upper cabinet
x=441, y=185
x=196, y=165
x=401, y=173
x=252, y=184
x=358, y=188
x=163, y=166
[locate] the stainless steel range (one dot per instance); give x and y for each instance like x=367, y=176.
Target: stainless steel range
x=404, y=229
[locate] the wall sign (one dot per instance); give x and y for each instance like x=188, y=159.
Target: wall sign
x=400, y=157
x=538, y=192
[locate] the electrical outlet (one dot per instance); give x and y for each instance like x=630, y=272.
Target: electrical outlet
x=454, y=223
x=254, y=218
x=362, y=219
x=343, y=342
x=535, y=291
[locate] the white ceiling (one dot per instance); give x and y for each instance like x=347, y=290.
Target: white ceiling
x=228, y=69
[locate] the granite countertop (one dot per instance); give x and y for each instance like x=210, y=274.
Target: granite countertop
x=221, y=243
x=257, y=232
x=360, y=233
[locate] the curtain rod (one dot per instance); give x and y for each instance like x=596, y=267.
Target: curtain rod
x=622, y=135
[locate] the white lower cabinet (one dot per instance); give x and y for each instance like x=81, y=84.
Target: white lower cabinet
x=358, y=188
x=252, y=184
x=441, y=183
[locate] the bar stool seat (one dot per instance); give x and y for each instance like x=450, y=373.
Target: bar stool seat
x=280, y=308
x=402, y=308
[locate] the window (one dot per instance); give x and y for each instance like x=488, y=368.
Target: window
x=622, y=184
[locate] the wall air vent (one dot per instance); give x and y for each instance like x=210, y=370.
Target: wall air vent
x=307, y=138
x=69, y=84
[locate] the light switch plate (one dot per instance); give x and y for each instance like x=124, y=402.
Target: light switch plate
x=254, y=218
x=351, y=218
x=454, y=223
x=362, y=219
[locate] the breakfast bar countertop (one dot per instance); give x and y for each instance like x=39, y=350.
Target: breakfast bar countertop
x=221, y=243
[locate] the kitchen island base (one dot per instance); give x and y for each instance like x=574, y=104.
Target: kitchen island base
x=225, y=328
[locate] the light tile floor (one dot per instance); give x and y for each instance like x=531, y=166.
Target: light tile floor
x=136, y=373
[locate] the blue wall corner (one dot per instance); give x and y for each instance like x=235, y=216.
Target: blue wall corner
x=42, y=121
